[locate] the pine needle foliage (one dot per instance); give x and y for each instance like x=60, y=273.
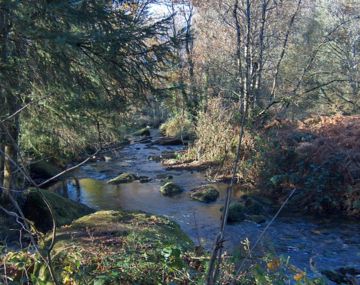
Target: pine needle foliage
x=81, y=66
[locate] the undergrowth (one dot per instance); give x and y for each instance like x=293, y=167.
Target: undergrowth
x=139, y=263
x=320, y=157
x=178, y=126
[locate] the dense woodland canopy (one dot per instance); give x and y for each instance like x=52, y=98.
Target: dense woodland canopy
x=265, y=92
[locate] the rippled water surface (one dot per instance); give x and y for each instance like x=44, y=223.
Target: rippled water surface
x=327, y=244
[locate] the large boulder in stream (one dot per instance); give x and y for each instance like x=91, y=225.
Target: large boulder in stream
x=65, y=210
x=252, y=205
x=236, y=213
x=205, y=193
x=170, y=189
x=248, y=208
x=123, y=178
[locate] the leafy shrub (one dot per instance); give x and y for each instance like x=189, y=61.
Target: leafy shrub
x=214, y=132
x=179, y=126
x=319, y=157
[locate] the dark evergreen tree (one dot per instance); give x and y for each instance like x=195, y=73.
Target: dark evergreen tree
x=75, y=65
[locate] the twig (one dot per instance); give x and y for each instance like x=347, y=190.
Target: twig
x=24, y=107
x=68, y=169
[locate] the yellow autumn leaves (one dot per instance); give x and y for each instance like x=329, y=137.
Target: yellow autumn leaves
x=274, y=265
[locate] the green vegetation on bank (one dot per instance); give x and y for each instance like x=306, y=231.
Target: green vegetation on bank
x=117, y=247
x=317, y=157
x=112, y=247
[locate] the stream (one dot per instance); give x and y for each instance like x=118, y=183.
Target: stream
x=312, y=245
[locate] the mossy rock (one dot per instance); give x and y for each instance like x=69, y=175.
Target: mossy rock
x=205, y=193
x=144, y=247
x=145, y=132
x=253, y=205
x=248, y=207
x=123, y=178
x=236, y=213
x=65, y=210
x=43, y=170
x=170, y=189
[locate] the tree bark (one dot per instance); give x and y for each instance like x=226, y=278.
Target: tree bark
x=10, y=128
x=260, y=67
x=8, y=168
x=247, y=81
x=190, y=62
x=2, y=159
x=238, y=55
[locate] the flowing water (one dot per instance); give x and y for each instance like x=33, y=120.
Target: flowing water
x=311, y=244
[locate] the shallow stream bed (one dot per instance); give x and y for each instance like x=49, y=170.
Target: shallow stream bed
x=312, y=245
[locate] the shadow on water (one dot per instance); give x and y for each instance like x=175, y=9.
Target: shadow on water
x=327, y=244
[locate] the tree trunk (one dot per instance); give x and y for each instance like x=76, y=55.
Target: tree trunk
x=260, y=65
x=9, y=104
x=2, y=159
x=247, y=81
x=8, y=168
x=10, y=149
x=98, y=128
x=238, y=55
x=190, y=62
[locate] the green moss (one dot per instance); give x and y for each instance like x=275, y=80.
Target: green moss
x=205, y=193
x=123, y=178
x=141, y=223
x=65, y=210
x=236, y=213
x=121, y=247
x=170, y=189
